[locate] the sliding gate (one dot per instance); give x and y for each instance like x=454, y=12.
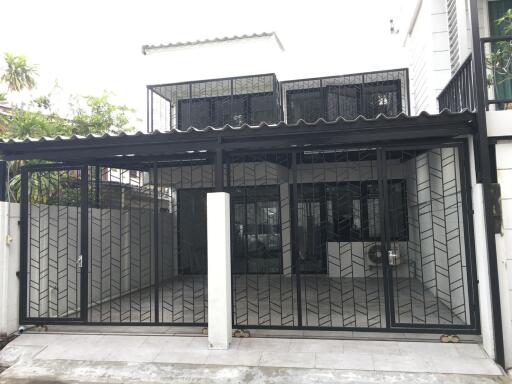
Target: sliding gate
x=115, y=244
x=353, y=239
x=340, y=238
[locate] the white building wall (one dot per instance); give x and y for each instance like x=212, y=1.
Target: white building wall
x=504, y=243
x=9, y=265
x=426, y=40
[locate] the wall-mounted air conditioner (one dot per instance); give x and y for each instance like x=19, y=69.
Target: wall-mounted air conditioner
x=373, y=254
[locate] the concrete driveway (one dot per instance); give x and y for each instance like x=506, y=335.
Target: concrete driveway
x=86, y=358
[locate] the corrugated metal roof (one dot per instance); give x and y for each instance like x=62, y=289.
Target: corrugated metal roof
x=423, y=117
x=146, y=48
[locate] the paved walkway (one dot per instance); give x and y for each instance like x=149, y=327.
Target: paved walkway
x=152, y=358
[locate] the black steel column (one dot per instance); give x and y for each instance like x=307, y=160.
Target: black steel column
x=294, y=206
x=4, y=176
x=485, y=179
x=219, y=169
x=84, y=242
x=23, y=307
x=156, y=215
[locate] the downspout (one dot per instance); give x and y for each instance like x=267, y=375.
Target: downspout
x=485, y=180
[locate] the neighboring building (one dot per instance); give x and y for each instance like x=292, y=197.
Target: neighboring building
x=437, y=35
x=350, y=208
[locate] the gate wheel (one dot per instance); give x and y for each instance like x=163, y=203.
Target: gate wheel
x=449, y=339
x=241, y=333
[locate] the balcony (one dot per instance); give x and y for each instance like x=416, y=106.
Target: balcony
x=257, y=99
x=496, y=61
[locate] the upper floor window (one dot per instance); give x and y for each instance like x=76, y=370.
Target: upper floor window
x=234, y=110
x=347, y=101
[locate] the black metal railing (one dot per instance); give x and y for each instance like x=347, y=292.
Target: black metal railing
x=261, y=98
x=217, y=102
x=349, y=96
x=459, y=93
x=497, y=64
x=496, y=59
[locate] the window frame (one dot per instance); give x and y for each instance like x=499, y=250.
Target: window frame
x=212, y=112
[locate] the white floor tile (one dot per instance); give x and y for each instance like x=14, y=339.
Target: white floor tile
x=269, y=345
x=313, y=345
x=368, y=346
x=464, y=366
x=474, y=351
x=176, y=357
x=353, y=361
x=291, y=360
x=414, y=349
x=234, y=357
x=402, y=363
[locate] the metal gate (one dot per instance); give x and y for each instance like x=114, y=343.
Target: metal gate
x=353, y=239
x=375, y=238
x=115, y=244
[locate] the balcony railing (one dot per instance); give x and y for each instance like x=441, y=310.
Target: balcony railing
x=261, y=98
x=498, y=66
x=348, y=96
x=459, y=93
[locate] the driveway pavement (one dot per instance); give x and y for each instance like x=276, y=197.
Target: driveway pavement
x=84, y=358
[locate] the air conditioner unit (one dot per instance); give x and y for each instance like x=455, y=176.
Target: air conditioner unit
x=373, y=255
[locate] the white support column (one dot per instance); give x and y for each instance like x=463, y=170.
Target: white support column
x=219, y=271
x=9, y=265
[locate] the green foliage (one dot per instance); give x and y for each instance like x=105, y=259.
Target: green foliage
x=19, y=74
x=499, y=61
x=88, y=114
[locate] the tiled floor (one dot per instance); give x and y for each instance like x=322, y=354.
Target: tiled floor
x=396, y=356
x=271, y=300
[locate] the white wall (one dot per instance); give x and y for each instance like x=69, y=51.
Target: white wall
x=425, y=28
x=504, y=243
x=9, y=265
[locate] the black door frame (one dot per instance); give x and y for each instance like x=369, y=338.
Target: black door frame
x=24, y=306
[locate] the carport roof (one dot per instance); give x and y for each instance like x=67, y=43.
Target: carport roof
x=264, y=136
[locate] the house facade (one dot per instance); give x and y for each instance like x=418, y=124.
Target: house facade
x=347, y=209
x=448, y=62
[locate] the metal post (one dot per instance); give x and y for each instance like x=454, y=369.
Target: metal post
x=156, y=240
x=485, y=179
x=4, y=176
x=84, y=243
x=219, y=170
x=294, y=235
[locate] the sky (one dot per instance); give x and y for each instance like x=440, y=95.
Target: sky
x=89, y=46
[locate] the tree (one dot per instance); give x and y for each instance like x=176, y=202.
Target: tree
x=87, y=114
x=499, y=61
x=19, y=74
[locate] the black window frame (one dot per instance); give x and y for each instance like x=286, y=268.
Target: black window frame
x=364, y=92
x=237, y=198
x=214, y=118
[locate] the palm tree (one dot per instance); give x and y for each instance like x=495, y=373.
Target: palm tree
x=18, y=74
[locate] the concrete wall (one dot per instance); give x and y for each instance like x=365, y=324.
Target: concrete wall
x=9, y=266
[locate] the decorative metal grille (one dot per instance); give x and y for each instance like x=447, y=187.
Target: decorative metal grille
x=352, y=238
x=51, y=271
x=234, y=101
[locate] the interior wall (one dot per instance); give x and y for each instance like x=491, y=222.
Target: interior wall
x=120, y=256
x=436, y=228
